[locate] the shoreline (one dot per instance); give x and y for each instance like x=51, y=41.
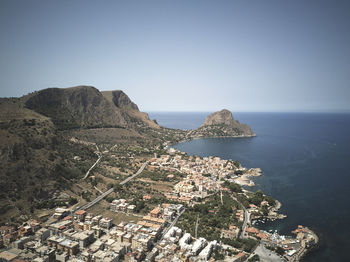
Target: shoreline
x=213, y=137
x=247, y=180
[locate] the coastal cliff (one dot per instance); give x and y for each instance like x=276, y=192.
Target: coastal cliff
x=221, y=124
x=129, y=109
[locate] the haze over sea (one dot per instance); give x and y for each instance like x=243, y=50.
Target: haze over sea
x=304, y=158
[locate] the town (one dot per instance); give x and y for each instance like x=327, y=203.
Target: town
x=206, y=216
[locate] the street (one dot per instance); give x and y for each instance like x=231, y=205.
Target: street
x=103, y=195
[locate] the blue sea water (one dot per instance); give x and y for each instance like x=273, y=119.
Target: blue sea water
x=305, y=161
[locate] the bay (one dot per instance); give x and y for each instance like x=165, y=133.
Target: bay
x=304, y=158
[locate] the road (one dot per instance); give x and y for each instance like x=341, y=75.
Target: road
x=266, y=255
x=136, y=174
x=103, y=195
x=148, y=258
x=96, y=200
x=246, y=218
x=171, y=225
x=92, y=167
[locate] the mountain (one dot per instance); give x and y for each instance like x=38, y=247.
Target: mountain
x=75, y=107
x=129, y=109
x=37, y=152
x=49, y=138
x=221, y=124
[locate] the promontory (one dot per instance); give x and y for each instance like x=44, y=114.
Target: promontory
x=221, y=124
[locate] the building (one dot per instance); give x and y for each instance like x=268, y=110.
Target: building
x=141, y=240
x=198, y=245
x=155, y=212
x=106, y=223
x=80, y=215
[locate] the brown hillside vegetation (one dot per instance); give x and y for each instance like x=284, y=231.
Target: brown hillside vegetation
x=37, y=156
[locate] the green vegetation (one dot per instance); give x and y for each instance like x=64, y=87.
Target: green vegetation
x=162, y=175
x=51, y=203
x=213, y=216
x=217, y=254
x=237, y=163
x=247, y=244
x=233, y=187
x=258, y=196
x=140, y=205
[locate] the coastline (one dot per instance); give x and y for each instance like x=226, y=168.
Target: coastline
x=247, y=180
x=197, y=138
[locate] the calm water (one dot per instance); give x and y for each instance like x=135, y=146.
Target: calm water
x=305, y=162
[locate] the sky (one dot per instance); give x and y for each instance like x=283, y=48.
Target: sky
x=178, y=55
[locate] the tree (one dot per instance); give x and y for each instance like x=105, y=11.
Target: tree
x=280, y=251
x=118, y=187
x=236, y=163
x=270, y=200
x=258, y=196
x=233, y=187
x=72, y=201
x=265, y=210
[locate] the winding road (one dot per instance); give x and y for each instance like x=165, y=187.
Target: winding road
x=246, y=218
x=92, y=167
x=103, y=195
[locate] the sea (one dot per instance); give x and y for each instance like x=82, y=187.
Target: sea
x=305, y=159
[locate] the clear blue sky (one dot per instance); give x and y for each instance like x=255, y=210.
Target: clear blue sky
x=183, y=55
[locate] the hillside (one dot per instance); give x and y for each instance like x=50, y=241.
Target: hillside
x=35, y=159
x=76, y=107
x=38, y=157
x=50, y=138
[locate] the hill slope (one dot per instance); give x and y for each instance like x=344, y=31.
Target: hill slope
x=76, y=107
x=37, y=156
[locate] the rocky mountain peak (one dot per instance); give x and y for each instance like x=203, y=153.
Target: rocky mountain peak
x=121, y=100
x=223, y=117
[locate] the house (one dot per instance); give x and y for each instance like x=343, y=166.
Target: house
x=60, y=213
x=141, y=240
x=80, y=215
x=146, y=197
x=130, y=209
x=155, y=212
x=71, y=247
x=231, y=233
x=42, y=234
x=106, y=222
x=240, y=257
x=252, y=231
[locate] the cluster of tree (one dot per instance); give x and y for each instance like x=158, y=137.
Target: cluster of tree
x=86, y=195
x=247, y=244
x=233, y=187
x=217, y=254
x=213, y=215
x=139, y=204
x=159, y=175
x=54, y=203
x=236, y=163
x=259, y=196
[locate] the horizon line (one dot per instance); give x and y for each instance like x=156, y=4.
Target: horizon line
x=248, y=111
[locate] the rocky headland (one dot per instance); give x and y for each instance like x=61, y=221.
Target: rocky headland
x=221, y=124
